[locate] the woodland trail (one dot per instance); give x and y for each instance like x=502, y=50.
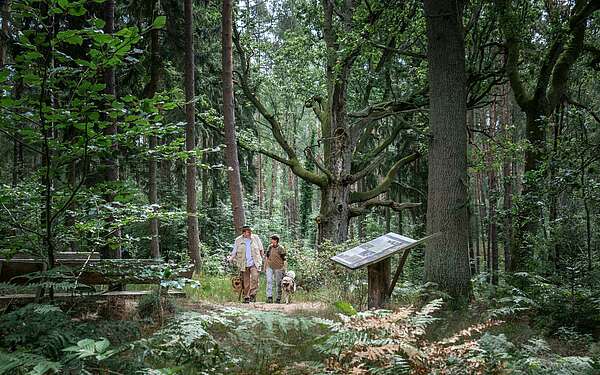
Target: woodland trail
x=292, y=308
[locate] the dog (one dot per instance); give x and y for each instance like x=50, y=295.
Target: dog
x=238, y=286
x=288, y=286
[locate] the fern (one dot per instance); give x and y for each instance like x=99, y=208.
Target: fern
x=423, y=318
x=21, y=363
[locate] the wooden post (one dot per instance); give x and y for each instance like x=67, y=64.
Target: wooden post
x=379, y=281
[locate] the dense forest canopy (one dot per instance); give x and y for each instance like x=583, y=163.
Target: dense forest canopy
x=154, y=130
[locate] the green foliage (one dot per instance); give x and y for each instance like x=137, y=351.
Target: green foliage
x=383, y=341
x=535, y=357
x=25, y=363
x=38, y=339
x=155, y=306
x=91, y=348
x=549, y=303
x=344, y=308
x=183, y=345
x=228, y=341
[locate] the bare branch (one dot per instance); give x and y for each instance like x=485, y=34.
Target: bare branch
x=585, y=108
x=364, y=208
x=362, y=196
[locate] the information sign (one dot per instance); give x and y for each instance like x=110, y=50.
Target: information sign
x=374, y=250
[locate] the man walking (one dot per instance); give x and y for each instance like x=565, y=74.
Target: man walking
x=247, y=254
x=275, y=268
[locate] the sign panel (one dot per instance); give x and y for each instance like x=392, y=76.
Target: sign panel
x=374, y=250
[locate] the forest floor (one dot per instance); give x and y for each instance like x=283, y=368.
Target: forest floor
x=293, y=308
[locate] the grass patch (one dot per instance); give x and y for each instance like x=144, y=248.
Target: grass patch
x=217, y=289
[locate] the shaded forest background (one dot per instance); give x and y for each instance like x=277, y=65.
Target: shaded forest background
x=119, y=134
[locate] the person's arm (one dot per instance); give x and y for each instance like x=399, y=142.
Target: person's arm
x=233, y=252
x=282, y=252
x=260, y=246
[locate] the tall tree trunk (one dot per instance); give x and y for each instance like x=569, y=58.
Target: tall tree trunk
x=528, y=213
x=334, y=215
x=507, y=177
x=112, y=249
x=493, y=197
x=273, y=186
x=493, y=228
x=474, y=223
x=446, y=257
x=481, y=216
x=260, y=195
x=588, y=219
x=153, y=199
x=149, y=92
x=5, y=9
x=231, y=154
x=193, y=238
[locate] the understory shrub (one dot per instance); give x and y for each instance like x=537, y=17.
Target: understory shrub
x=40, y=339
x=155, y=306
x=549, y=303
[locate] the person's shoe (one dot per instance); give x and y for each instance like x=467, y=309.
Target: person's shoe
x=269, y=299
x=246, y=299
x=278, y=300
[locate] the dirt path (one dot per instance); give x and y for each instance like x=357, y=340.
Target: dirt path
x=291, y=308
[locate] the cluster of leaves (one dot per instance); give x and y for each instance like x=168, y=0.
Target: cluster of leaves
x=392, y=342
x=41, y=339
x=382, y=341
x=229, y=341
x=549, y=303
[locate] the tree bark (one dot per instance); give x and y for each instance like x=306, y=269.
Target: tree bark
x=492, y=218
x=153, y=200
x=231, y=154
x=111, y=164
x=193, y=238
x=446, y=257
x=507, y=178
x=149, y=92
x=5, y=9
x=273, y=186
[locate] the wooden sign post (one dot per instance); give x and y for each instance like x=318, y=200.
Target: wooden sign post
x=379, y=282
x=376, y=254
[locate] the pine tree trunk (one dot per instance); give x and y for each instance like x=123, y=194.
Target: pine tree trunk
x=231, y=154
x=149, y=92
x=5, y=9
x=493, y=228
x=260, y=196
x=111, y=165
x=193, y=238
x=273, y=186
x=482, y=215
x=507, y=179
x=446, y=257
x=153, y=199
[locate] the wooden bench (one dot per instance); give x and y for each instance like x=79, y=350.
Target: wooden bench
x=88, y=269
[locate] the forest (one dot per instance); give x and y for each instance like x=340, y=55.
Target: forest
x=154, y=153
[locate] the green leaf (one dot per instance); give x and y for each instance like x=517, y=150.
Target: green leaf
x=63, y=4
x=159, y=22
x=4, y=75
x=70, y=37
x=102, y=345
x=45, y=367
x=77, y=10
